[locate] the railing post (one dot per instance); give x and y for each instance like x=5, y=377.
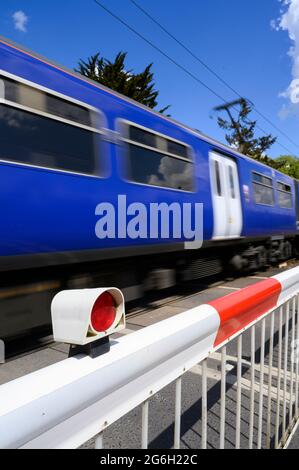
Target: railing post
x=178, y=408
x=269, y=405
x=285, y=373
x=239, y=392
x=99, y=442
x=252, y=378
x=144, y=425
x=223, y=401
x=261, y=397
x=204, y=405
x=278, y=377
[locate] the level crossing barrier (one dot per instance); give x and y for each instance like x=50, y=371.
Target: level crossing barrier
x=243, y=347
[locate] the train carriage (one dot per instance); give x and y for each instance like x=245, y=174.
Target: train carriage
x=68, y=144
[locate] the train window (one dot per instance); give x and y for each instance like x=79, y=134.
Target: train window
x=258, y=178
x=158, y=166
x=284, y=192
x=217, y=177
x=30, y=138
x=177, y=149
x=154, y=168
x=263, y=189
x=231, y=182
x=68, y=110
x=142, y=137
x=41, y=101
x=10, y=89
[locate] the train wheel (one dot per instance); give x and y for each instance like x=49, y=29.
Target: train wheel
x=285, y=250
x=261, y=257
x=288, y=250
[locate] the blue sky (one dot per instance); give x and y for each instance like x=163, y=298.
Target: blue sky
x=233, y=37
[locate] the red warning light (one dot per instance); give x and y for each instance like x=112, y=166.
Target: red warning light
x=103, y=313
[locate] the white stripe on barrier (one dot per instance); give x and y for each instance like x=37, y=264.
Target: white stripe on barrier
x=69, y=402
x=64, y=405
x=289, y=284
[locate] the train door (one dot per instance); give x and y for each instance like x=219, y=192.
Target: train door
x=226, y=198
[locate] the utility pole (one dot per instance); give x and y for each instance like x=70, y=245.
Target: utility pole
x=235, y=124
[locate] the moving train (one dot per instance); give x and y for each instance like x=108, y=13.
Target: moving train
x=68, y=144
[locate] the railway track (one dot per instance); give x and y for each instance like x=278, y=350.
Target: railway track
x=189, y=289
x=156, y=308
x=152, y=308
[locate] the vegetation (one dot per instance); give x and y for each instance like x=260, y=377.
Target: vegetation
x=241, y=134
x=138, y=86
x=288, y=165
x=241, y=131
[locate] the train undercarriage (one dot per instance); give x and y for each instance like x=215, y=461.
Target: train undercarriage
x=26, y=295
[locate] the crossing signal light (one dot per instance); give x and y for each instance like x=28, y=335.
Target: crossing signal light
x=85, y=316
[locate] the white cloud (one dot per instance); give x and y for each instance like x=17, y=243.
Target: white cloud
x=20, y=20
x=289, y=22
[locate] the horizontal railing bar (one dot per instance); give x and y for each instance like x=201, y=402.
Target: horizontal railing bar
x=292, y=434
x=141, y=364
x=137, y=366
x=215, y=375
x=217, y=357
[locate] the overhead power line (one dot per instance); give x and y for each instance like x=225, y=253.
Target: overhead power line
x=177, y=64
x=207, y=67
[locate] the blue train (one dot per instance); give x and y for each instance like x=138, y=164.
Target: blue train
x=68, y=144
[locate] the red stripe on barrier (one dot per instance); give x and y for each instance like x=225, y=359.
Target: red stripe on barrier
x=241, y=308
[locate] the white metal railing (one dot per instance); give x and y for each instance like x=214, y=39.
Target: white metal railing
x=276, y=387
x=255, y=372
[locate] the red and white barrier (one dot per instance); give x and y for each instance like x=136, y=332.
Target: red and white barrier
x=241, y=308
x=48, y=414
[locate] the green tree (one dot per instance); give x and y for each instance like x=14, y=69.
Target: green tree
x=138, y=86
x=288, y=165
x=241, y=131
